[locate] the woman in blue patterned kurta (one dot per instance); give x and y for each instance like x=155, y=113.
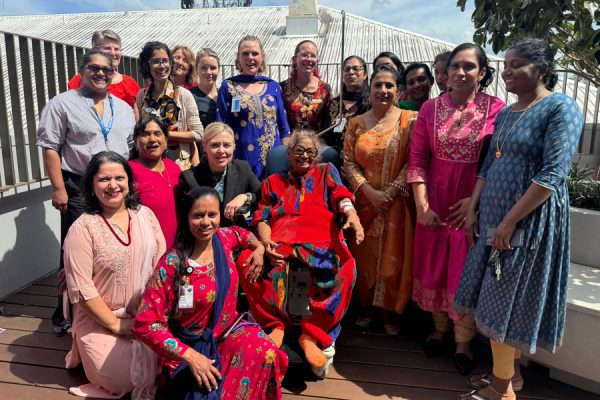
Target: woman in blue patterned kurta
x=519, y=302
x=253, y=106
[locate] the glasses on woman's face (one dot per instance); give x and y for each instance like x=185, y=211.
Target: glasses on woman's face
x=353, y=68
x=311, y=152
x=159, y=61
x=94, y=69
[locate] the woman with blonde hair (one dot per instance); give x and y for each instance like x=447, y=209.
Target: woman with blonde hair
x=235, y=182
x=184, y=68
x=252, y=105
x=206, y=92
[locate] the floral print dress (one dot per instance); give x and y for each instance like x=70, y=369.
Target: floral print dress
x=252, y=366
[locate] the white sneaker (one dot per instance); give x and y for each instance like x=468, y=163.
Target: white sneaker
x=321, y=372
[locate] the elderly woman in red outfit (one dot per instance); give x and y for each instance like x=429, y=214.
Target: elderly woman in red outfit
x=297, y=221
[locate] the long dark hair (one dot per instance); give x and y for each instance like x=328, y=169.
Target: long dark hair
x=363, y=104
x=541, y=55
x=139, y=128
x=87, y=56
x=184, y=240
x=146, y=54
x=92, y=204
x=482, y=59
x=416, y=66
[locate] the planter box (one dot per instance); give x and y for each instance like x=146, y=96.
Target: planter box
x=585, y=237
x=577, y=362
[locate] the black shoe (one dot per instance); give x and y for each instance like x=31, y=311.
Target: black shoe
x=62, y=329
x=463, y=363
x=433, y=348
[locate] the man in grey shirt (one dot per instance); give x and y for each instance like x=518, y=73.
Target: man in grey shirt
x=73, y=127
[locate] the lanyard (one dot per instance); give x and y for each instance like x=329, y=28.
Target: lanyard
x=105, y=130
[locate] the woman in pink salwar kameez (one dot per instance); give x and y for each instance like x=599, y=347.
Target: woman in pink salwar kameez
x=109, y=254
x=444, y=151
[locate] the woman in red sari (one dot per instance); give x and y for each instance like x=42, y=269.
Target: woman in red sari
x=296, y=220
x=188, y=312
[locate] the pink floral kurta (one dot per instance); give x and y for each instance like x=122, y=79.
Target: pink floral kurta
x=444, y=153
x=252, y=366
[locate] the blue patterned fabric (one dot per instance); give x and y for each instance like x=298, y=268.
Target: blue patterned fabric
x=526, y=308
x=261, y=123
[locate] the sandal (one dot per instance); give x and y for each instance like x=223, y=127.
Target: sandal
x=475, y=395
x=482, y=381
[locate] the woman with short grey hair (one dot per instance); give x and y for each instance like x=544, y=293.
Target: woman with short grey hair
x=122, y=86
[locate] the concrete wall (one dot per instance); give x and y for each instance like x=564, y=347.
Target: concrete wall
x=29, y=239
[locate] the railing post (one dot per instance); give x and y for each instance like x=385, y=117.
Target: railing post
x=26, y=73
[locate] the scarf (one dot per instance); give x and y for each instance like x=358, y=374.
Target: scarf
x=352, y=96
x=183, y=384
x=166, y=106
x=250, y=79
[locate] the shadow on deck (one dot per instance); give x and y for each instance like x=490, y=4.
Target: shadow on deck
x=368, y=365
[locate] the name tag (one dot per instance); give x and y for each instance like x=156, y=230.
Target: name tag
x=340, y=128
x=236, y=104
x=186, y=297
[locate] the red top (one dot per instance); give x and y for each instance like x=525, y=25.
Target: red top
x=157, y=192
x=302, y=209
x=125, y=90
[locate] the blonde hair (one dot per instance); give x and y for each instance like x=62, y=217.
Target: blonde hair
x=213, y=129
x=251, y=38
x=188, y=55
x=206, y=52
x=99, y=37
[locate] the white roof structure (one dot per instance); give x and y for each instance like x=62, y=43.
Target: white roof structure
x=222, y=28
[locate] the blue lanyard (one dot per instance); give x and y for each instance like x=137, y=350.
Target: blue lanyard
x=103, y=128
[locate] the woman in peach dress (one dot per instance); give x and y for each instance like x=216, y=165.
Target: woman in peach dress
x=109, y=253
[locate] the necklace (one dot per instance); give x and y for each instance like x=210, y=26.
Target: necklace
x=115, y=233
x=379, y=124
x=500, y=145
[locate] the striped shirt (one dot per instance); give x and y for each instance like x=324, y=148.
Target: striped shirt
x=69, y=125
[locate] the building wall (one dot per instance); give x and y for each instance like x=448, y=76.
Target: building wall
x=29, y=239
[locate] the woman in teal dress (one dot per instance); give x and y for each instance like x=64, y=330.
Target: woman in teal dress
x=253, y=106
x=519, y=301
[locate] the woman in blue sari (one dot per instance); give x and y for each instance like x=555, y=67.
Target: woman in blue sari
x=252, y=105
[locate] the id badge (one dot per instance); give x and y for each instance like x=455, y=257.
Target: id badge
x=340, y=128
x=236, y=104
x=186, y=297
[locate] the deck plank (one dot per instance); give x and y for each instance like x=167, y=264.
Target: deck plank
x=26, y=324
x=32, y=300
x=35, y=339
x=40, y=290
x=19, y=310
x=27, y=392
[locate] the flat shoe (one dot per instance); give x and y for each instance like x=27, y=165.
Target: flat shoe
x=481, y=381
x=433, y=348
x=391, y=329
x=463, y=363
x=475, y=395
x=363, y=321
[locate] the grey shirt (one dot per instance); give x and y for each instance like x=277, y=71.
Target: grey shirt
x=69, y=125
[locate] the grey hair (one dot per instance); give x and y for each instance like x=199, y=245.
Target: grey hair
x=99, y=37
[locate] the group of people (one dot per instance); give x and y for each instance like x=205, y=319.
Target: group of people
x=170, y=202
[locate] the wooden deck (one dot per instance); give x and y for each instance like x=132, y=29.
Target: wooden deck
x=368, y=365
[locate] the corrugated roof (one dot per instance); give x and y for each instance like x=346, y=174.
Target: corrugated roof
x=221, y=29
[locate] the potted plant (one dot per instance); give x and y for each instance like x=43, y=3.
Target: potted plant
x=584, y=196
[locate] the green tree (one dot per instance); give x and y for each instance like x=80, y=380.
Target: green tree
x=572, y=26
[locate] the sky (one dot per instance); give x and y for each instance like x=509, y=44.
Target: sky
x=440, y=19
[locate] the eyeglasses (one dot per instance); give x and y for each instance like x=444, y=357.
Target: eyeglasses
x=311, y=152
x=158, y=61
x=355, y=68
x=94, y=69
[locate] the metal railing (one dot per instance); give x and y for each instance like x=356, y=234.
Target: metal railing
x=32, y=71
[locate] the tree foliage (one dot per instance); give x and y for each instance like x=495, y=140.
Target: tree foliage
x=572, y=26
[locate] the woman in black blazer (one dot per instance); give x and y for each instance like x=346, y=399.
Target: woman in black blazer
x=237, y=185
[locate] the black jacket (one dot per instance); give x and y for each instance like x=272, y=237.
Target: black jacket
x=238, y=180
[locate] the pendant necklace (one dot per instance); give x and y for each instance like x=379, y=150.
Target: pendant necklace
x=500, y=145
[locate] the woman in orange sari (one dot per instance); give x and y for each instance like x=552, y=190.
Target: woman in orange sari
x=375, y=157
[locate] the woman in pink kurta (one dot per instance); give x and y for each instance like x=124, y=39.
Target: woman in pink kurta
x=156, y=176
x=109, y=254
x=445, y=146
x=249, y=365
